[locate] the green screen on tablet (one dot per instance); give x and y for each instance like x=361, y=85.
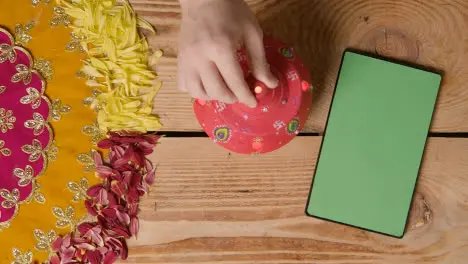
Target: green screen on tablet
x=373, y=144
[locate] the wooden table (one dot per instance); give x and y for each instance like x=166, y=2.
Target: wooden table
x=209, y=205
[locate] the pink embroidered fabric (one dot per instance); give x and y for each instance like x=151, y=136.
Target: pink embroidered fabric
x=24, y=131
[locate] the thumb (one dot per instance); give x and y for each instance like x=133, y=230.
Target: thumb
x=257, y=59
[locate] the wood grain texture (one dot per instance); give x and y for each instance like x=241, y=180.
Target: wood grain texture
x=211, y=206
x=430, y=33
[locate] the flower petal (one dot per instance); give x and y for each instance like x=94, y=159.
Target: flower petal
x=94, y=190
x=121, y=231
x=67, y=254
x=109, y=213
x=110, y=258
x=54, y=260
x=97, y=158
x=136, y=179
x=57, y=244
x=150, y=177
x=103, y=250
x=85, y=227
x=90, y=208
x=102, y=198
x=124, y=218
x=133, y=209
x=95, y=236
x=94, y=257
x=117, y=188
x=104, y=171
x=124, y=252
x=133, y=195
x=113, y=243
x=85, y=246
x=111, y=200
x=134, y=226
x=148, y=165
x=105, y=144
x=146, y=148
x=66, y=241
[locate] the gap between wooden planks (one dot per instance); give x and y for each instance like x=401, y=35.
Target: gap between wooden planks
x=211, y=206
x=430, y=33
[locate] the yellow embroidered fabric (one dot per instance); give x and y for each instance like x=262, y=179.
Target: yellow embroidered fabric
x=38, y=26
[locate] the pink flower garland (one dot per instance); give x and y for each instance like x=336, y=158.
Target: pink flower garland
x=114, y=203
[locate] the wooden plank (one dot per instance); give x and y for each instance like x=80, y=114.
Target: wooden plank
x=429, y=33
x=209, y=205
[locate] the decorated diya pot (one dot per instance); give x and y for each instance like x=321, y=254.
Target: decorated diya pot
x=279, y=115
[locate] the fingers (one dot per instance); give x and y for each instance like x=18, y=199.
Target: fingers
x=190, y=81
x=205, y=83
x=197, y=89
x=214, y=84
x=257, y=58
x=221, y=79
x=213, y=71
x=233, y=76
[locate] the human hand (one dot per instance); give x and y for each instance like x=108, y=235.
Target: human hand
x=211, y=33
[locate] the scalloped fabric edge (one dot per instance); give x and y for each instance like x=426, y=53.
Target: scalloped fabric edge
x=14, y=197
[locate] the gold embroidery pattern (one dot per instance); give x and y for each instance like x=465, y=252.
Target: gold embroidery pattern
x=44, y=67
x=52, y=151
x=23, y=74
x=4, y=151
x=7, y=52
x=91, y=100
x=82, y=75
x=60, y=17
x=7, y=120
x=79, y=190
x=4, y=226
x=22, y=33
x=64, y=217
x=37, y=124
x=44, y=240
x=34, y=150
x=33, y=98
x=87, y=160
x=35, y=3
x=75, y=43
x=94, y=132
x=37, y=195
x=58, y=109
x=21, y=258
x=11, y=198
x=25, y=175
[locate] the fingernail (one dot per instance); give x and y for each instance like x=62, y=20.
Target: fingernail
x=273, y=82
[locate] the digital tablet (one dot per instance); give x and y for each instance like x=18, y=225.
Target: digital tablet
x=373, y=144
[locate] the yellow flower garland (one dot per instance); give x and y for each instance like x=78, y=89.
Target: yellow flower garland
x=117, y=63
